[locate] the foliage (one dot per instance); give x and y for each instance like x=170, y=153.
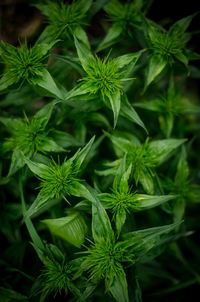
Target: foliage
x=99, y=162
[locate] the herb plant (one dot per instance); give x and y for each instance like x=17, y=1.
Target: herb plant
x=99, y=162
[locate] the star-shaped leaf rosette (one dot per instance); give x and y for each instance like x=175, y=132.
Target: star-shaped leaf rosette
x=31, y=136
x=65, y=20
x=104, y=79
x=182, y=187
x=125, y=18
x=167, y=47
x=122, y=201
x=143, y=158
x=169, y=106
x=27, y=65
x=59, y=180
x=108, y=257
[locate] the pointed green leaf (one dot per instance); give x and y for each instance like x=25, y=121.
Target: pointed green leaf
x=64, y=139
x=83, y=53
x=181, y=25
x=120, y=219
x=130, y=58
x=121, y=143
x=11, y=123
x=122, y=176
x=129, y=112
x=166, y=124
x=163, y=148
x=47, y=82
x=84, y=5
x=156, y=65
x=80, y=155
x=10, y=295
x=144, y=240
x=6, y=81
x=71, y=228
x=112, y=5
x=97, y=5
x=182, y=172
x=182, y=58
x=45, y=112
x=30, y=227
x=146, y=181
x=37, y=168
x=119, y=287
x=38, y=203
x=79, y=90
x=44, y=48
x=80, y=190
x=113, y=33
x=17, y=162
x=150, y=105
x=48, y=35
x=81, y=35
x=91, y=286
x=145, y=202
x=115, y=101
x=49, y=145
x=71, y=60
x=178, y=209
x=101, y=227
x=191, y=55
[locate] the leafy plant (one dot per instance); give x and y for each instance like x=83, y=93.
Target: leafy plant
x=144, y=158
x=58, y=180
x=122, y=201
x=106, y=78
x=167, y=47
x=125, y=18
x=65, y=20
x=99, y=164
x=105, y=257
x=27, y=65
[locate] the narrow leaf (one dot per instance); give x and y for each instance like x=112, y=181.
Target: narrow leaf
x=80, y=155
x=119, y=287
x=122, y=176
x=38, y=203
x=146, y=181
x=129, y=112
x=130, y=58
x=145, y=202
x=31, y=229
x=37, y=168
x=145, y=240
x=115, y=101
x=81, y=35
x=17, y=162
x=181, y=25
x=120, y=219
x=113, y=33
x=47, y=82
x=156, y=65
x=45, y=112
x=163, y=148
x=83, y=53
x=101, y=227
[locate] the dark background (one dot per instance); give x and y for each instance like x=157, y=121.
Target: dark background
x=18, y=19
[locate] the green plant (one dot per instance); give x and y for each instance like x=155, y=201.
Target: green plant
x=99, y=201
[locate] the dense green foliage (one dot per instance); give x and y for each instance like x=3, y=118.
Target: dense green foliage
x=99, y=157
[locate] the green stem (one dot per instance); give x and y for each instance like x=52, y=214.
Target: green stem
x=30, y=227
